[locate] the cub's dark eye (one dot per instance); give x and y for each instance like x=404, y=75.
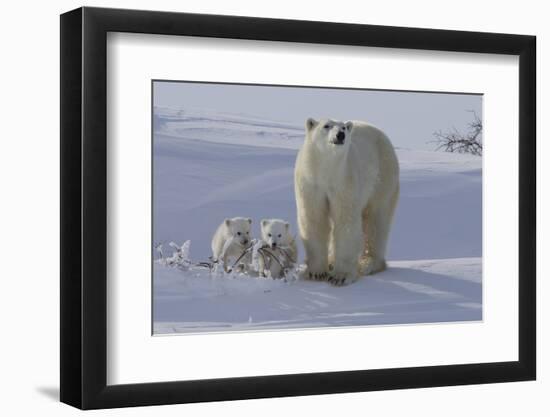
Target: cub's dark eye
x=327, y=126
x=239, y=233
x=247, y=233
x=269, y=234
x=279, y=235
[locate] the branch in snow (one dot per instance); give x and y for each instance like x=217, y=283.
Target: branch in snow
x=186, y=250
x=180, y=257
x=258, y=257
x=158, y=248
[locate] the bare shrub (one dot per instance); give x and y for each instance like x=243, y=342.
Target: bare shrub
x=454, y=141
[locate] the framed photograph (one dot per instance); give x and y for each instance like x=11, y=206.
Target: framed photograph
x=257, y=208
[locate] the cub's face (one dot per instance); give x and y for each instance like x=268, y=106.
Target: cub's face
x=328, y=133
x=239, y=229
x=275, y=232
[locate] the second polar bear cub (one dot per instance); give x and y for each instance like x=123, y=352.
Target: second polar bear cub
x=346, y=182
x=231, y=239
x=276, y=234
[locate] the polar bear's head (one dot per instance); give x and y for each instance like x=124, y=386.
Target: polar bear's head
x=275, y=232
x=239, y=229
x=328, y=133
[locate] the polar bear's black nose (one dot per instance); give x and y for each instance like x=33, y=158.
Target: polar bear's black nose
x=274, y=245
x=245, y=242
x=340, y=136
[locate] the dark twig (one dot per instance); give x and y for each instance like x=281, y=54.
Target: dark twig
x=454, y=141
x=272, y=255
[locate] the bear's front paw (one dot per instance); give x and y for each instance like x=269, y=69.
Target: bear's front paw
x=315, y=275
x=339, y=279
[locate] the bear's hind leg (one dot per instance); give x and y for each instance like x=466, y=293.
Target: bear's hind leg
x=376, y=228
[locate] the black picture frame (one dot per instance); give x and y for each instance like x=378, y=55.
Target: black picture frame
x=84, y=207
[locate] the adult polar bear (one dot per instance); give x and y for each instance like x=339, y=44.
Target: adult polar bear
x=346, y=183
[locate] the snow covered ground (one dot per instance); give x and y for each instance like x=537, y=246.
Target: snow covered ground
x=208, y=166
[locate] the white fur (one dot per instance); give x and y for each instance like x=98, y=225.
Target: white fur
x=346, y=195
x=276, y=235
x=230, y=240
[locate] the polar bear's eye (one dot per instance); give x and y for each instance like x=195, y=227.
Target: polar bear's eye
x=279, y=235
x=327, y=126
x=239, y=233
x=269, y=234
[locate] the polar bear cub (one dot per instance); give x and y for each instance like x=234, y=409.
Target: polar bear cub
x=231, y=239
x=346, y=182
x=276, y=235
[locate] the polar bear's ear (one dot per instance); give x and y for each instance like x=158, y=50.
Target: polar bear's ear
x=227, y=222
x=349, y=125
x=249, y=220
x=310, y=124
x=287, y=226
x=265, y=222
